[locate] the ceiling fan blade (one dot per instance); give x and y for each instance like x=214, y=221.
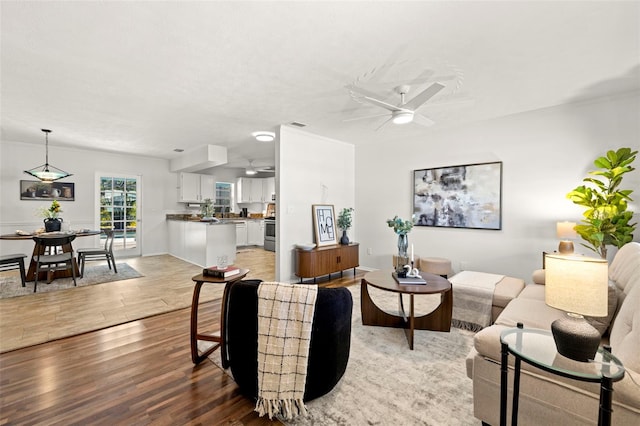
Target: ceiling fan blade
x=384, y=123
x=361, y=91
x=365, y=117
x=424, y=96
x=422, y=120
x=372, y=98
x=382, y=104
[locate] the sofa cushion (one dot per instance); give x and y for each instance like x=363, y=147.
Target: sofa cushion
x=506, y=290
x=533, y=291
x=602, y=323
x=531, y=313
x=625, y=331
x=625, y=268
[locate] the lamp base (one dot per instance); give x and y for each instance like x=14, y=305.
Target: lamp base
x=565, y=247
x=575, y=338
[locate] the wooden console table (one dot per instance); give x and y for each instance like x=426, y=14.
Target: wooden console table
x=327, y=260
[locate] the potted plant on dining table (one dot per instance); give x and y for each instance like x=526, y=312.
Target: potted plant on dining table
x=52, y=222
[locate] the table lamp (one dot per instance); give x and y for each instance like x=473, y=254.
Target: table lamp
x=565, y=232
x=578, y=285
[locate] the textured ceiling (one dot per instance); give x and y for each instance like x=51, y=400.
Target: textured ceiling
x=148, y=77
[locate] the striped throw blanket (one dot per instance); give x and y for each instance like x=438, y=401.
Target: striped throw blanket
x=285, y=317
x=472, y=299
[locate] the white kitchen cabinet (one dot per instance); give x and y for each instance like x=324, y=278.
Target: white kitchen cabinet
x=195, y=187
x=255, y=232
x=201, y=243
x=268, y=190
x=255, y=190
x=241, y=234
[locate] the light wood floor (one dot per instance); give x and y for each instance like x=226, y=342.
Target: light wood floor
x=166, y=286
x=139, y=372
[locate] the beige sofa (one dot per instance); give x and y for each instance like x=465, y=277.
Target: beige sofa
x=547, y=399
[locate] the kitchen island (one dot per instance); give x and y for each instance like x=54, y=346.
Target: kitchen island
x=201, y=243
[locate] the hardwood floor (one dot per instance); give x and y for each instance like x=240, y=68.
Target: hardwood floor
x=139, y=372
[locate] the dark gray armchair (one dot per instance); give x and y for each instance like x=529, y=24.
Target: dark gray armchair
x=330, y=338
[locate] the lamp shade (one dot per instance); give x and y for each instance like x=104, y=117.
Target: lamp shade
x=577, y=284
x=565, y=231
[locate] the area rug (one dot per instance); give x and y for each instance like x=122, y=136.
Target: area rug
x=387, y=383
x=11, y=286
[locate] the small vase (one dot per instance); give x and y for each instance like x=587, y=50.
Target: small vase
x=52, y=224
x=344, y=240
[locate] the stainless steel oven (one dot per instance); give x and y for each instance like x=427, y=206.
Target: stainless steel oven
x=270, y=234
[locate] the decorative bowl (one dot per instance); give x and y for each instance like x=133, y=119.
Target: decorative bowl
x=307, y=246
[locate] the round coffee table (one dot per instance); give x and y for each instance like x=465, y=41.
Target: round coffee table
x=438, y=320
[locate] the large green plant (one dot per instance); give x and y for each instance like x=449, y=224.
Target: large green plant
x=606, y=218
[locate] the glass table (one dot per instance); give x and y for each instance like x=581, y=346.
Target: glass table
x=537, y=348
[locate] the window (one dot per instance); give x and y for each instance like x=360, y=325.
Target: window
x=224, y=197
x=118, y=210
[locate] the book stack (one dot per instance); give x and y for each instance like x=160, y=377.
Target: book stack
x=408, y=280
x=214, y=271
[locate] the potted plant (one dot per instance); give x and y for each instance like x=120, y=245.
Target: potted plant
x=344, y=223
x=606, y=218
x=207, y=209
x=51, y=220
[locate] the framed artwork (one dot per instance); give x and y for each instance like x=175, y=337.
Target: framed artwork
x=468, y=196
x=324, y=224
x=37, y=190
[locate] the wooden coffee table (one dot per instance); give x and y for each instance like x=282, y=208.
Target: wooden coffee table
x=438, y=320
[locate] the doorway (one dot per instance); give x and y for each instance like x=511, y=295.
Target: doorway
x=118, y=207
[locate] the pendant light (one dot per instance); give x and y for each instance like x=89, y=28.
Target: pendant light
x=47, y=172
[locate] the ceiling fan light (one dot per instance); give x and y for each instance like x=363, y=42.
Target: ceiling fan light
x=402, y=117
x=264, y=136
x=250, y=172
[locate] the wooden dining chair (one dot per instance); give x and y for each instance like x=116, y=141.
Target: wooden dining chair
x=48, y=259
x=99, y=253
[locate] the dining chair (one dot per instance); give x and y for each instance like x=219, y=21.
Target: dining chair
x=47, y=258
x=14, y=261
x=99, y=253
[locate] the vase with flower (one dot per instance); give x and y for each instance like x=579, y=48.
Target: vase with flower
x=52, y=222
x=344, y=223
x=401, y=228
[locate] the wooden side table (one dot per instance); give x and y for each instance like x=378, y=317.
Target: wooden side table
x=200, y=280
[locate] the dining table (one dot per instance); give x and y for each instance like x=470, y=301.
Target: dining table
x=53, y=274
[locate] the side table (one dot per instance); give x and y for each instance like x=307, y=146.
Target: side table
x=537, y=348
x=200, y=280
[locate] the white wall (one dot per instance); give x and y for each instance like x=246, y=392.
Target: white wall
x=545, y=154
x=311, y=169
x=158, y=193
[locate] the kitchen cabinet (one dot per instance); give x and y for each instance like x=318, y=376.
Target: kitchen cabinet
x=326, y=260
x=201, y=243
x=255, y=232
x=269, y=190
x=241, y=234
x=195, y=187
x=255, y=190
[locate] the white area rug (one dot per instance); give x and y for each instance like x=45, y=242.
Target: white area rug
x=11, y=286
x=386, y=383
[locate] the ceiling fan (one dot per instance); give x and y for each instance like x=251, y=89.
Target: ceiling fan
x=404, y=112
x=253, y=170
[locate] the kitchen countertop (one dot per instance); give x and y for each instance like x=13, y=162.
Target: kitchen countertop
x=190, y=218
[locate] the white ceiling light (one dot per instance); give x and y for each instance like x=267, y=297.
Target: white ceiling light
x=264, y=136
x=402, y=117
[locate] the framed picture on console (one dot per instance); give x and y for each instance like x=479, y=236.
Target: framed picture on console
x=466, y=196
x=324, y=224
